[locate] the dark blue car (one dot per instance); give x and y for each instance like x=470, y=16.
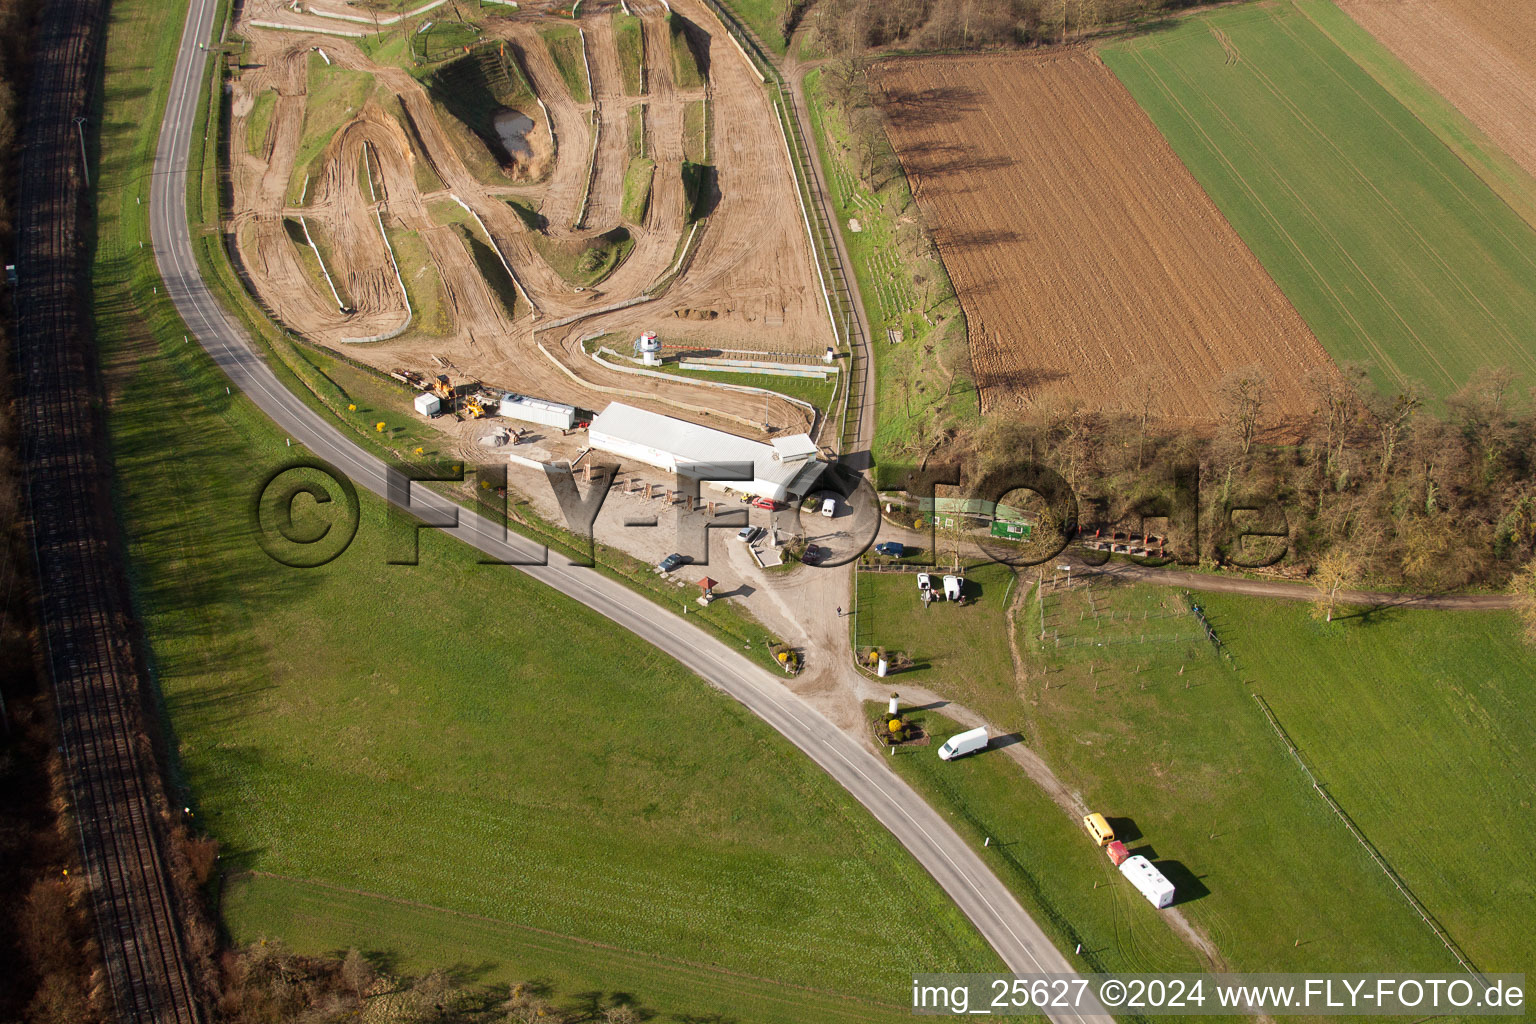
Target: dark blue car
x=891, y=549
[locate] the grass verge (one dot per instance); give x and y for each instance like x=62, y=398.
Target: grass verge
x=371, y=727
x=637, y=189
x=694, y=147
x=626, y=33
x=905, y=288
x=565, y=49
x=685, y=62
x=259, y=120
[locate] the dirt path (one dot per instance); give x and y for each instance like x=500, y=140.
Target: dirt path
x=1300, y=591
x=613, y=124
x=573, y=128
x=1212, y=583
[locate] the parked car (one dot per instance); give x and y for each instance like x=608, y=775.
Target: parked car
x=1098, y=827
x=891, y=549
x=672, y=562
x=924, y=582
x=812, y=554
x=829, y=507
x=769, y=504
x=954, y=587
x=748, y=534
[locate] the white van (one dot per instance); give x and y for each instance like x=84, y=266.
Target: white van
x=829, y=507
x=963, y=743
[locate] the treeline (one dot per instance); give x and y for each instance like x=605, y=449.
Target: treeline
x=265, y=983
x=859, y=26
x=1392, y=489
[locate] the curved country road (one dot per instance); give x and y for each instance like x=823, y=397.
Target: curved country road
x=937, y=847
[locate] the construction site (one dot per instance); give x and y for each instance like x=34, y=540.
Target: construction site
x=487, y=200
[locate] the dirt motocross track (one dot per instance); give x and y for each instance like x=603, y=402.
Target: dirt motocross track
x=475, y=289
x=1090, y=264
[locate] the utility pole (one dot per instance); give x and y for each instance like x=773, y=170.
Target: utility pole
x=85, y=166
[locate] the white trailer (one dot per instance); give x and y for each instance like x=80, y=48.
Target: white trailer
x=536, y=410
x=963, y=743
x=1157, y=889
x=428, y=404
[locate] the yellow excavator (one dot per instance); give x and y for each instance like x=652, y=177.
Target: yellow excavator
x=474, y=407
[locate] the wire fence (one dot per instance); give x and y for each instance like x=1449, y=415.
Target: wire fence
x=1361, y=838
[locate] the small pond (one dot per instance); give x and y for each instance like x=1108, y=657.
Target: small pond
x=512, y=127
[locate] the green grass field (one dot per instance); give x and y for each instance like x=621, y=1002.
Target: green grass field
x=423, y=285
x=456, y=735
x=626, y=35
x=685, y=63
x=1506, y=177
x=565, y=49
x=637, y=189
x=634, y=120
x=943, y=635
x=1063, y=879
x=1390, y=246
x=901, y=292
x=259, y=120
x=1134, y=708
x=695, y=140
x=807, y=389
x=763, y=17
x=1423, y=726
x=1418, y=722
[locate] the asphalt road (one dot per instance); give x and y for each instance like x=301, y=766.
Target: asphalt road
x=961, y=872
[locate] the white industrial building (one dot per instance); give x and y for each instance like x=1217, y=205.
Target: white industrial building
x=785, y=469
x=537, y=410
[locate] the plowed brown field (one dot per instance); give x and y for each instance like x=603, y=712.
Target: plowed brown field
x=1479, y=54
x=1084, y=253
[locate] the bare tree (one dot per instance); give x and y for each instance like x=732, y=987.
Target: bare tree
x=1142, y=385
x=1243, y=393
x=1393, y=415
x=1337, y=570
x=357, y=973
x=1523, y=587
x=1336, y=395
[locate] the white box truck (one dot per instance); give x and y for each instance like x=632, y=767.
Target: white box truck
x=1157, y=889
x=963, y=743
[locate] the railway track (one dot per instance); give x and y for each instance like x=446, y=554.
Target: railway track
x=83, y=607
